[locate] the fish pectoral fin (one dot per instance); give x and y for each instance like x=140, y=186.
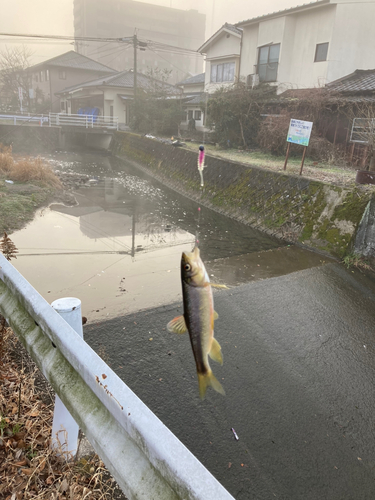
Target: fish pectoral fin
x=215, y=315
x=208, y=379
x=177, y=325
x=215, y=352
x=219, y=286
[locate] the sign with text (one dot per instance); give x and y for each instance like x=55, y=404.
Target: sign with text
x=299, y=132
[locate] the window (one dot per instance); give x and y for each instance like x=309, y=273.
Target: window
x=62, y=74
x=47, y=75
x=268, y=62
x=197, y=114
x=36, y=77
x=42, y=76
x=321, y=52
x=190, y=114
x=222, y=72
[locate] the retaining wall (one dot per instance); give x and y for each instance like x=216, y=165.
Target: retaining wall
x=30, y=139
x=291, y=207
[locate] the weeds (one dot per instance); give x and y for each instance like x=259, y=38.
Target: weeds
x=29, y=467
x=26, y=169
x=354, y=260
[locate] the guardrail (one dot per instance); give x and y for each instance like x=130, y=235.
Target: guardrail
x=25, y=119
x=144, y=457
x=87, y=121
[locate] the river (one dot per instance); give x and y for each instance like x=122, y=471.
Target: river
x=119, y=248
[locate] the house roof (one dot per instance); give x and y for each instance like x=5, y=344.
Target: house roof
x=197, y=98
x=334, y=94
x=74, y=60
x=193, y=80
x=123, y=79
x=228, y=28
x=292, y=10
x=359, y=81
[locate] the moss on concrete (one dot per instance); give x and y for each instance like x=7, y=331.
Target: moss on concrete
x=321, y=215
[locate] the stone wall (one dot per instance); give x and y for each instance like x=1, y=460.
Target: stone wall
x=294, y=208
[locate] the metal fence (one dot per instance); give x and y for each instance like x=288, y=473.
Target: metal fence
x=363, y=130
x=145, y=458
x=87, y=121
x=24, y=119
x=62, y=119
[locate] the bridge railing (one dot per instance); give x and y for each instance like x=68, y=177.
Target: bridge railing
x=87, y=121
x=144, y=457
x=24, y=119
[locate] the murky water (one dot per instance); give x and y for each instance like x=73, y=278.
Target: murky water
x=119, y=248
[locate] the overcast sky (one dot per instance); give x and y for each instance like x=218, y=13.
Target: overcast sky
x=56, y=17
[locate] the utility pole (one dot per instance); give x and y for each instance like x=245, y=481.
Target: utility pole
x=135, y=42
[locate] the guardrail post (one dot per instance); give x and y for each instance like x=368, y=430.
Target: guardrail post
x=117, y=123
x=86, y=122
x=14, y=120
x=64, y=427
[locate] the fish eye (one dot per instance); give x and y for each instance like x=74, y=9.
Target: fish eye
x=187, y=267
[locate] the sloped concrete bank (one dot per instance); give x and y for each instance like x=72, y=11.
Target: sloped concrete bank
x=321, y=216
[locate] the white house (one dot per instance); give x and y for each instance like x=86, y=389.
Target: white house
x=222, y=55
x=309, y=45
x=192, y=98
x=111, y=94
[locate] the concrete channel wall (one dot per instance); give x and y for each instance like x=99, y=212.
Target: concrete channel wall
x=319, y=215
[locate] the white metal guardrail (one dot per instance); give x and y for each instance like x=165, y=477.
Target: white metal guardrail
x=145, y=458
x=24, y=119
x=87, y=121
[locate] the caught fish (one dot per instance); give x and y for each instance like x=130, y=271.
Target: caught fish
x=198, y=319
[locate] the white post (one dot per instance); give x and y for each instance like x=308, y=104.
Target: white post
x=64, y=427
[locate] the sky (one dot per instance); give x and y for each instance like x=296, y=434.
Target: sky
x=56, y=17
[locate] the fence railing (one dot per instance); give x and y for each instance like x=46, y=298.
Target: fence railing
x=87, y=121
x=24, y=119
x=61, y=119
x=363, y=130
x=144, y=457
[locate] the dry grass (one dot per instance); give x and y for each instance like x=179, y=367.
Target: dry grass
x=29, y=468
x=26, y=169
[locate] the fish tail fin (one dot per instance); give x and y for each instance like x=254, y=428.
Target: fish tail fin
x=208, y=379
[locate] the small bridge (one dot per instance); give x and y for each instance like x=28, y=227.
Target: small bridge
x=62, y=120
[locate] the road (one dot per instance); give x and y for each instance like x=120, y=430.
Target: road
x=298, y=371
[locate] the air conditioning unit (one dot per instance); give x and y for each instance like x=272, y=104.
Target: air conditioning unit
x=252, y=80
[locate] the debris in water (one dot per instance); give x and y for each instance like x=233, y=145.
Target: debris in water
x=235, y=434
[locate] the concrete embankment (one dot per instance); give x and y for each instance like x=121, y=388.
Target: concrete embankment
x=319, y=215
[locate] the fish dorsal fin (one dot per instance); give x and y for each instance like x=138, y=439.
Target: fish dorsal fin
x=215, y=315
x=215, y=285
x=215, y=352
x=177, y=325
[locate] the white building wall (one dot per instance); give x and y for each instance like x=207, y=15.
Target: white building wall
x=224, y=49
x=353, y=40
x=298, y=35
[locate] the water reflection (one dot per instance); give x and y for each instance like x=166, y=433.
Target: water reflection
x=119, y=248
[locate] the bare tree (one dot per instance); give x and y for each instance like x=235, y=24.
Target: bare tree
x=14, y=75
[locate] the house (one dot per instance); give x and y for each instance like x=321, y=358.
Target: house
x=51, y=76
x=193, y=96
x=222, y=55
x=111, y=94
x=309, y=45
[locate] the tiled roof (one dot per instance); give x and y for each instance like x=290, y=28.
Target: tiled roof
x=334, y=94
x=74, y=60
x=195, y=98
x=124, y=79
x=359, y=81
x=309, y=5
x=193, y=80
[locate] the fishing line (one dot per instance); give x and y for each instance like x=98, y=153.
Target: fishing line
x=201, y=166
